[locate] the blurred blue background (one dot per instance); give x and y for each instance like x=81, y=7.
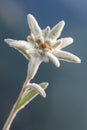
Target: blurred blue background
x=65, y=107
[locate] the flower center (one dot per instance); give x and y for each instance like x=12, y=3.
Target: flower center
x=42, y=44
x=46, y=46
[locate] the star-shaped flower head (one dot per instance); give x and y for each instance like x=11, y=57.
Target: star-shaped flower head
x=43, y=45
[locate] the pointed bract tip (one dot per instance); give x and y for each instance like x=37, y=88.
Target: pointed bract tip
x=8, y=41
x=58, y=65
x=30, y=16
x=70, y=39
x=78, y=60
x=44, y=95
x=46, y=84
x=62, y=23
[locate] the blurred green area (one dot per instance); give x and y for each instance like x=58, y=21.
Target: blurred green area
x=65, y=107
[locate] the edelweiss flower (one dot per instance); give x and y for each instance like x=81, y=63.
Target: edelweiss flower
x=43, y=45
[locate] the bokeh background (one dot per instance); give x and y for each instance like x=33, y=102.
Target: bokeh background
x=65, y=107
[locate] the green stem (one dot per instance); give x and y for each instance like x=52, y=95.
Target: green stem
x=14, y=110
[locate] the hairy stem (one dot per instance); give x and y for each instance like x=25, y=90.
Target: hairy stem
x=14, y=110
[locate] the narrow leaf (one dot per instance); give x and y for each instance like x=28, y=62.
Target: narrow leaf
x=30, y=96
